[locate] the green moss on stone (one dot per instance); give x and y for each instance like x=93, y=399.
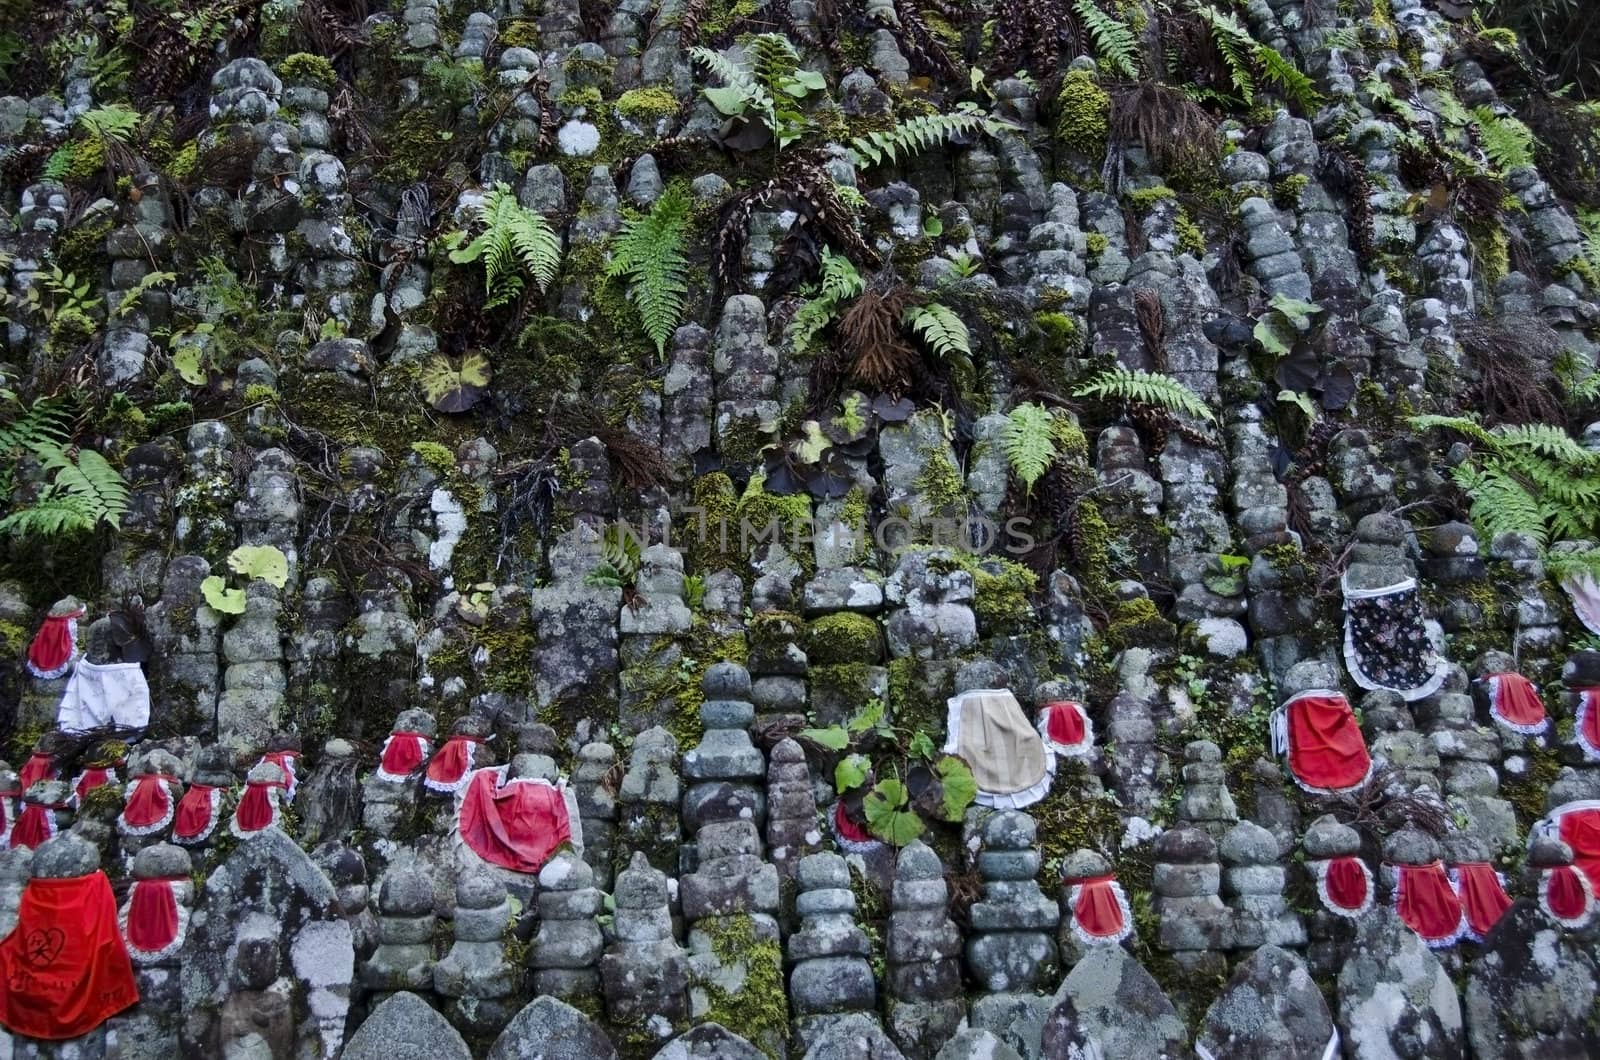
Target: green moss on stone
x=1083, y=114
x=647, y=104
x=758, y=1010
x=844, y=638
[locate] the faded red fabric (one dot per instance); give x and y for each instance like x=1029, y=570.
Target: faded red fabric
x=285, y=760
x=1482, y=895
x=255, y=811
x=152, y=923
x=149, y=803
x=1346, y=886
x=197, y=813
x=516, y=824
x=91, y=778
x=1099, y=911
x=1326, y=749
x=1515, y=703
x=63, y=966
x=403, y=754
x=1428, y=904
x=39, y=766
x=1580, y=830
x=1588, y=727
x=449, y=766
x=34, y=825
x=848, y=829
x=52, y=647
x=1565, y=893
x=1064, y=724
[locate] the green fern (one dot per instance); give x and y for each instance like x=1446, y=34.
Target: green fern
x=1120, y=382
x=1501, y=504
x=514, y=238
x=922, y=133
x=115, y=122
x=1507, y=142
x=85, y=493
x=1236, y=45
x=1028, y=439
x=619, y=560
x=942, y=330
x=840, y=282
x=649, y=251
x=1292, y=82
x=1113, y=39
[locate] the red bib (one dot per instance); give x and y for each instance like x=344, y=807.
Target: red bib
x=39, y=766
x=50, y=653
x=1566, y=895
x=153, y=923
x=515, y=824
x=1345, y=886
x=1319, y=733
x=63, y=966
x=198, y=813
x=34, y=825
x=403, y=755
x=285, y=760
x=1587, y=729
x=1100, y=914
x=257, y=811
x=851, y=837
x=1428, y=904
x=1066, y=728
x=91, y=778
x=1483, y=897
x=1515, y=704
x=150, y=806
x=450, y=767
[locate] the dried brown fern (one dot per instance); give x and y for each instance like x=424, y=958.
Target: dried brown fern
x=869, y=332
x=1171, y=127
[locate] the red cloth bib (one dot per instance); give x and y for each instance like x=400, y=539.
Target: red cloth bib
x=39, y=766
x=285, y=760
x=1587, y=729
x=515, y=824
x=448, y=770
x=153, y=924
x=1066, y=728
x=1345, y=886
x=198, y=813
x=403, y=755
x=91, y=778
x=64, y=968
x=1428, y=904
x=1515, y=704
x=50, y=653
x=851, y=837
x=1320, y=734
x=257, y=811
x=1483, y=897
x=34, y=825
x=1100, y=914
x=1566, y=895
x=150, y=806
x=1579, y=828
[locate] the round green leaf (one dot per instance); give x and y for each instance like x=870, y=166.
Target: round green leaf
x=960, y=789
x=260, y=561
x=221, y=598
x=852, y=772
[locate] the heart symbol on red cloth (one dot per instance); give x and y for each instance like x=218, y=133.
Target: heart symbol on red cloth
x=44, y=946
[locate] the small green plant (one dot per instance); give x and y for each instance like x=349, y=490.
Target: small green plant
x=249, y=562
x=767, y=89
x=513, y=239
x=618, y=568
x=943, y=331
x=649, y=252
x=147, y=283
x=1507, y=142
x=1122, y=383
x=84, y=492
x=840, y=282
x=1114, y=39
x=922, y=133
x=1250, y=62
x=1034, y=437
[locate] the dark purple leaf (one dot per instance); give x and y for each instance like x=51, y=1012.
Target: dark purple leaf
x=892, y=410
x=1338, y=388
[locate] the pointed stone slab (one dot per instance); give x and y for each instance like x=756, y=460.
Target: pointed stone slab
x=547, y=1029
x=405, y=1027
x=1271, y=1007
x=709, y=1041
x=1108, y=1000
x=1531, y=992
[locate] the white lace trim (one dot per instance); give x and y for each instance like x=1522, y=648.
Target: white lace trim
x=1014, y=800
x=1585, y=704
x=1279, y=724
x=853, y=846
x=1492, y=683
x=1583, y=882
x=1443, y=942
x=205, y=833
x=150, y=829
x=1082, y=749
x=72, y=653
x=394, y=778
x=461, y=783
x=170, y=949
x=111, y=778
x=1083, y=935
x=277, y=816
x=1353, y=664
x=1321, y=870
x=1550, y=823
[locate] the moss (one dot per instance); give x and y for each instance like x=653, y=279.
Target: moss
x=1142, y=199
x=1083, y=114
x=1527, y=793
x=1095, y=244
x=1071, y=819
x=1286, y=192
x=844, y=637
x=518, y=33
x=647, y=104
x=940, y=481
x=1492, y=248
x=1091, y=545
x=720, y=15
x=759, y=513
x=1061, y=331
x=1138, y=622
x=713, y=536
x=587, y=97
x=758, y=1010
x=303, y=66
x=1191, y=240
x=435, y=456
x=82, y=251
x=1001, y=592
x=102, y=803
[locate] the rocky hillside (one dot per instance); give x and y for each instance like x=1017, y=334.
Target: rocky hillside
x=547, y=531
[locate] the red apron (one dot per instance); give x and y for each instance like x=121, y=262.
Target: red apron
x=1345, y=886
x=285, y=760
x=1483, y=897
x=852, y=838
x=403, y=755
x=153, y=923
x=91, y=778
x=33, y=826
x=1428, y=904
x=1100, y=914
x=1587, y=729
x=39, y=766
x=1579, y=828
x=198, y=813
x=51, y=650
x=1066, y=728
x=1566, y=896
x=63, y=966
x=450, y=767
x=516, y=824
x=257, y=811
x=1515, y=704
x=151, y=804
x=1319, y=733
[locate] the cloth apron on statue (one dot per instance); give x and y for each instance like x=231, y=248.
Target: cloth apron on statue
x=1386, y=645
x=513, y=823
x=100, y=694
x=1010, y=762
x=64, y=966
x=1318, y=733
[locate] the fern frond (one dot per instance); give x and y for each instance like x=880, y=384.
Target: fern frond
x=89, y=481
x=1113, y=39
x=1236, y=45
x=1506, y=140
x=1293, y=82
x=1501, y=504
x=1547, y=440
x=114, y=122
x=1028, y=439
x=649, y=251
x=1460, y=424
x=49, y=517
x=841, y=279
x=921, y=133
x=941, y=329
x=514, y=238
x=44, y=423
x=725, y=69
x=1120, y=382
